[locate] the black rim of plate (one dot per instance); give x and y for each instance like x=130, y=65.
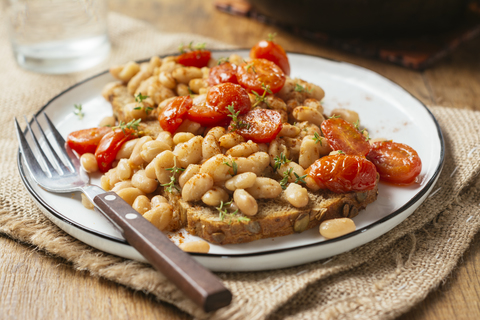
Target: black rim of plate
x=407, y=205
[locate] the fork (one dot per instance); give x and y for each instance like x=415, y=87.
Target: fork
x=199, y=284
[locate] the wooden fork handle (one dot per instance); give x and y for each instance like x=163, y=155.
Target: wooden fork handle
x=199, y=284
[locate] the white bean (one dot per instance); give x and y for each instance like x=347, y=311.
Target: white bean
x=142, y=182
x=151, y=149
x=190, y=126
x=122, y=185
x=167, y=80
x=124, y=171
x=215, y=196
x=335, y=228
x=86, y=203
x=309, y=151
x=163, y=161
x=196, y=84
x=293, y=167
x=165, y=137
x=289, y=131
x=347, y=115
x=241, y=181
x=245, y=202
x=160, y=216
x=217, y=168
x=129, y=194
x=296, y=195
x=126, y=149
x=189, y=152
x=199, y=246
x=157, y=200
x=182, y=137
x=136, y=158
x=141, y=204
x=210, y=147
x=256, y=163
x=265, y=188
x=190, y=171
x=244, y=149
x=89, y=162
x=230, y=140
x=308, y=114
x=185, y=74
x=196, y=187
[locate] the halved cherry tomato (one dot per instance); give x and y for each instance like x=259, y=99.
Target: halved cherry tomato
x=214, y=111
x=109, y=145
x=174, y=113
x=396, y=162
x=342, y=135
x=273, y=52
x=342, y=173
x=196, y=58
x=225, y=72
x=86, y=140
x=259, y=125
x=258, y=73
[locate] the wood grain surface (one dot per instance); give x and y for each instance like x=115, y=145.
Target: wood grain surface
x=34, y=285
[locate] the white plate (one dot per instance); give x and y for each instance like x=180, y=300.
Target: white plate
x=385, y=108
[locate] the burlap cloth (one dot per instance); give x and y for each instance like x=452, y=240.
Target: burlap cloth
x=380, y=280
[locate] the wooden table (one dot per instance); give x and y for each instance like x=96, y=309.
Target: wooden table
x=34, y=285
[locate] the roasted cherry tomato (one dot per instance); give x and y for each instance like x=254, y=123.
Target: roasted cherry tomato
x=214, y=111
x=342, y=173
x=225, y=72
x=342, y=135
x=258, y=125
x=109, y=145
x=174, y=113
x=86, y=140
x=396, y=162
x=271, y=51
x=196, y=58
x=260, y=73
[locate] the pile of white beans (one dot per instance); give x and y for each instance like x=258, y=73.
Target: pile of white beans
x=206, y=155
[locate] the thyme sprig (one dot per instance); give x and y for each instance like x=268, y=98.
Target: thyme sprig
x=139, y=98
x=237, y=124
x=78, y=111
x=223, y=60
x=130, y=125
x=271, y=36
x=286, y=175
x=262, y=98
x=191, y=47
x=251, y=66
x=300, y=179
x=173, y=180
x=223, y=213
x=317, y=138
x=233, y=165
x=300, y=88
x=279, y=161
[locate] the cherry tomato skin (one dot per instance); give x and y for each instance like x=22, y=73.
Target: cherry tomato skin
x=86, y=140
x=262, y=125
x=258, y=72
x=342, y=135
x=219, y=97
x=196, y=58
x=174, y=113
x=109, y=145
x=396, y=163
x=273, y=52
x=207, y=116
x=225, y=72
x=343, y=173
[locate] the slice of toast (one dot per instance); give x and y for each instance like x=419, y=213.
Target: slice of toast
x=275, y=217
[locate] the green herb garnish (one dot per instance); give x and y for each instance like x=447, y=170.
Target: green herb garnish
x=78, y=111
x=284, y=181
x=130, y=125
x=237, y=124
x=173, y=180
x=317, y=138
x=233, y=165
x=279, y=161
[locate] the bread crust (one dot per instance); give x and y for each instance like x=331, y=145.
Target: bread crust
x=275, y=217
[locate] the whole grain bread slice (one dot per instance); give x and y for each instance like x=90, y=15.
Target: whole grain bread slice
x=275, y=217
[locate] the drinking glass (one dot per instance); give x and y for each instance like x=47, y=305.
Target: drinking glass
x=58, y=36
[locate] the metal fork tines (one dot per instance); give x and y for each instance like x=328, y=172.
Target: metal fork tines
x=61, y=164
